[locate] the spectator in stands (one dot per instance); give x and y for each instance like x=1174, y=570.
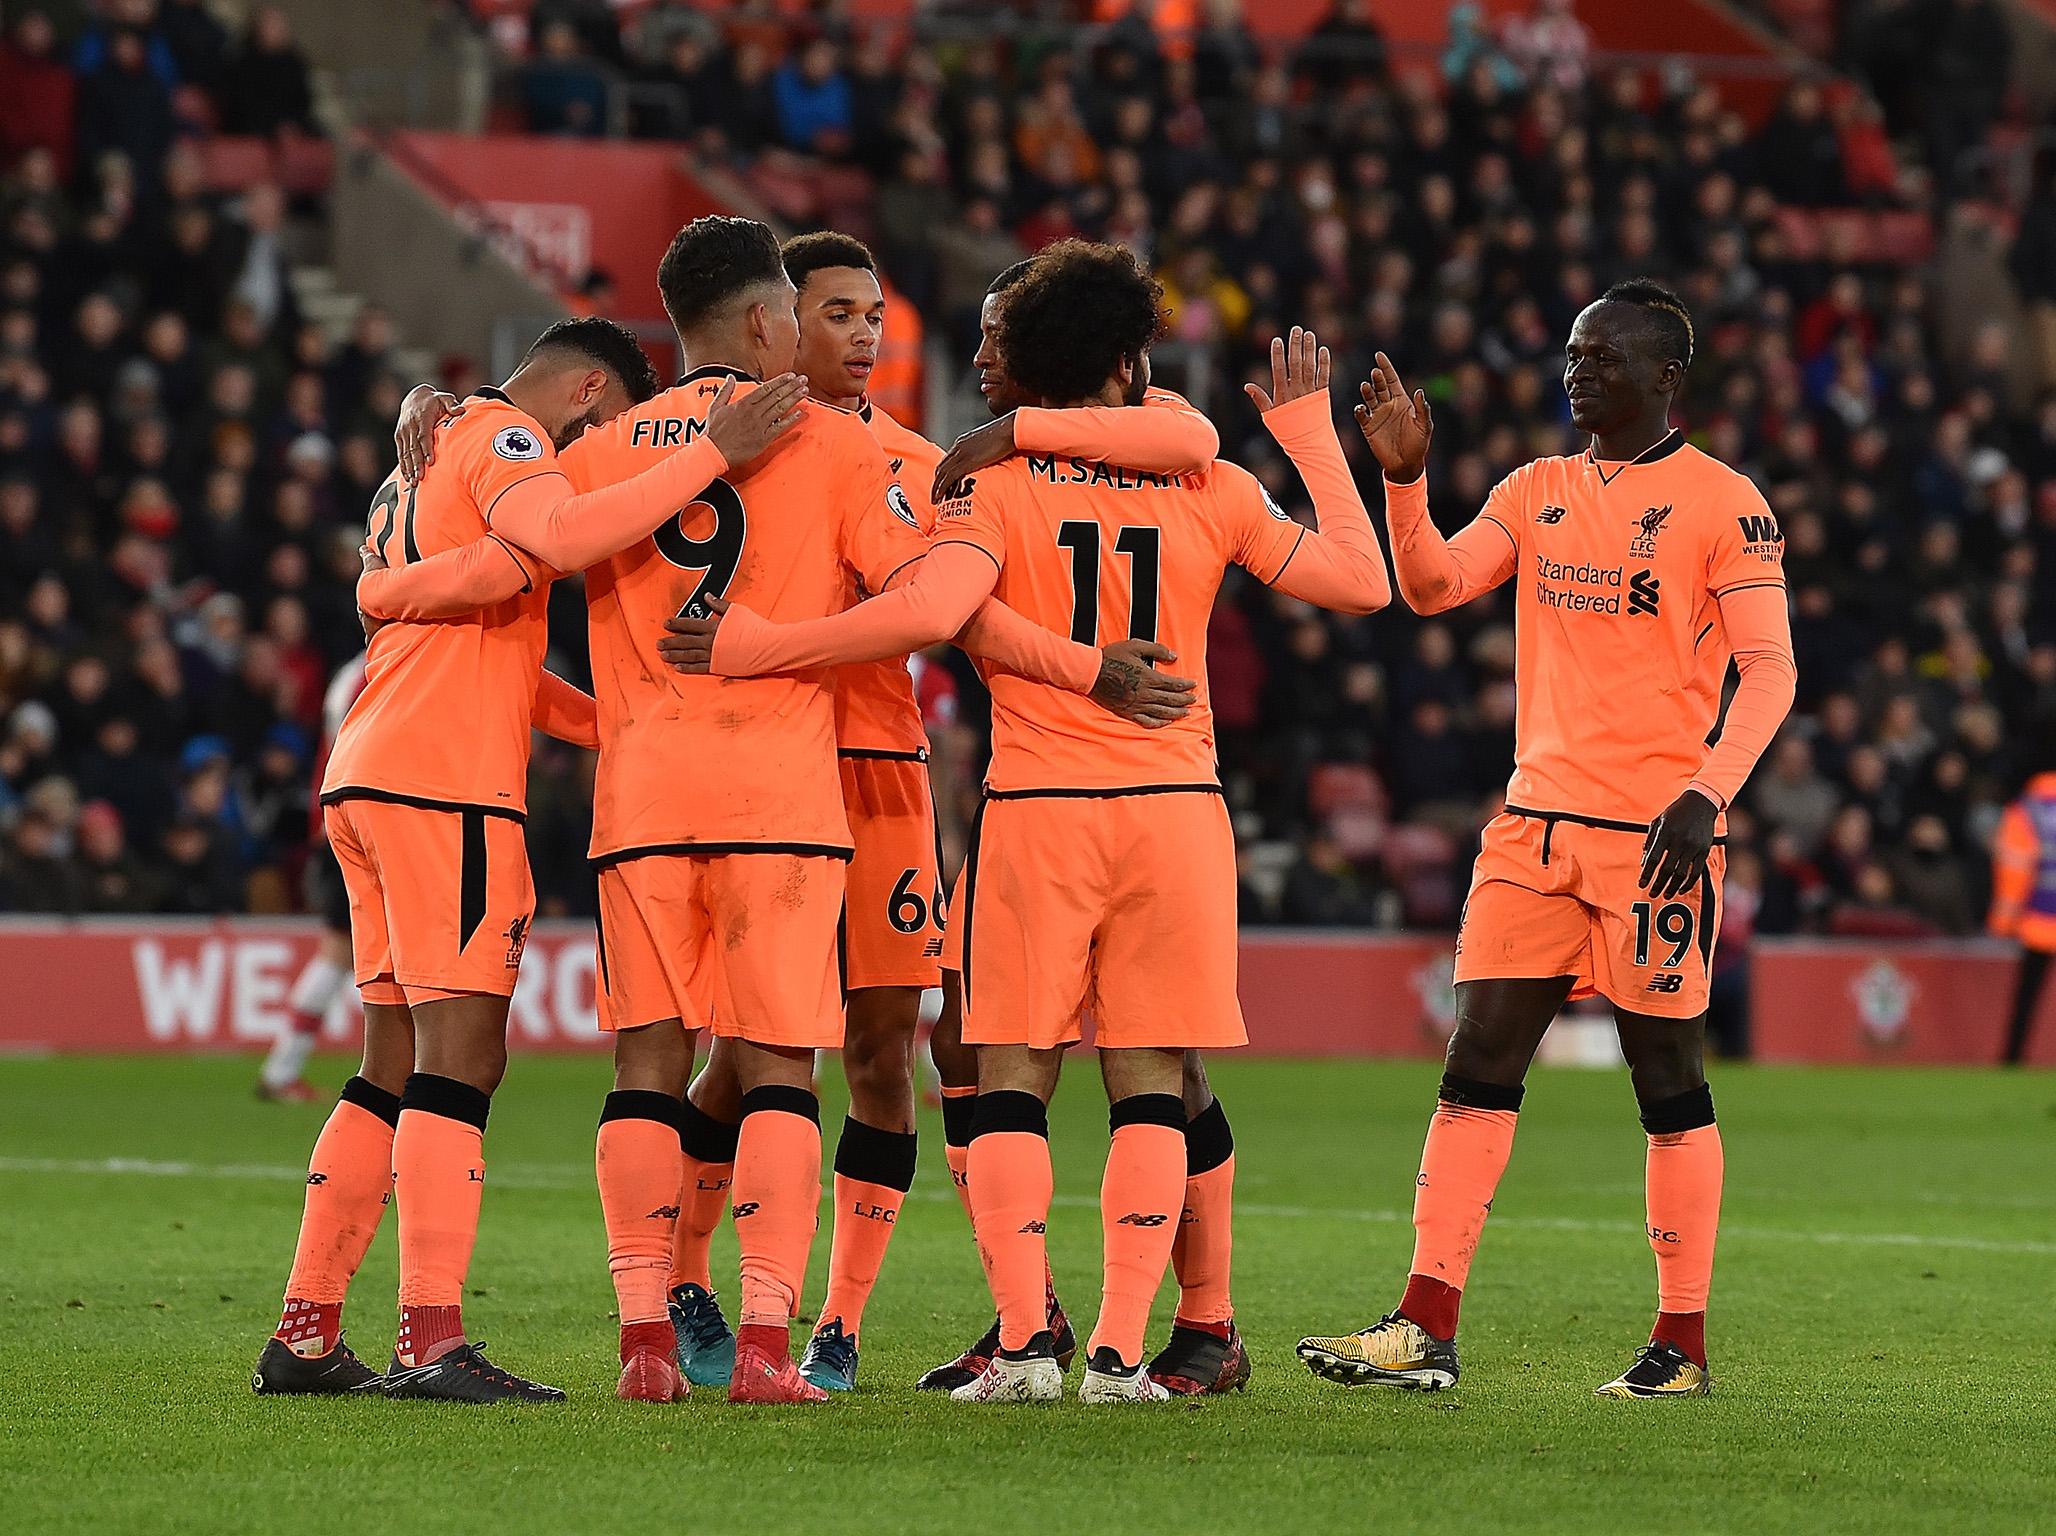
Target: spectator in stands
x=265, y=89
x=1799, y=157
x=37, y=93
x=114, y=879
x=813, y=98
x=124, y=106
x=1966, y=61
x=2032, y=261
x=1551, y=44
x=198, y=41
x=563, y=91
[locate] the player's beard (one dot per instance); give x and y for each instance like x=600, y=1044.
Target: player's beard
x=574, y=429
x=1138, y=383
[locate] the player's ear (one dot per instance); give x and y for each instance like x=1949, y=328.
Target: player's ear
x=592, y=386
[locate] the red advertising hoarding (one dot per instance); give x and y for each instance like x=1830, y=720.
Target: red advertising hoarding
x=184, y=985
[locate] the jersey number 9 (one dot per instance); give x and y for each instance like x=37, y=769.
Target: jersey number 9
x=717, y=555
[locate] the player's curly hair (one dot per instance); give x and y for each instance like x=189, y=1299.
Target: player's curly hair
x=807, y=254
x=604, y=344
x=712, y=260
x=1066, y=326
x=1673, y=322
x=1010, y=277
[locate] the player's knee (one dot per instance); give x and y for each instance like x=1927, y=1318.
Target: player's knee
x=1666, y=1057
x=656, y=1058
x=881, y=1080
x=1487, y=1053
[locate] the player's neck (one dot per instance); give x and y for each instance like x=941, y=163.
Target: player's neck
x=850, y=403
x=1631, y=442
x=713, y=351
x=1110, y=393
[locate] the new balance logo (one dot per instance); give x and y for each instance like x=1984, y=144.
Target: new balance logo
x=663, y=1213
x=745, y=1208
x=1552, y=515
x=896, y=463
x=1139, y=1219
x=1644, y=593
x=1034, y=1227
x=1669, y=981
x=316, y=1178
x=931, y=949
x=1759, y=528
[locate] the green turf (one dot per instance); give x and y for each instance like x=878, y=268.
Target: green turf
x=1881, y=1334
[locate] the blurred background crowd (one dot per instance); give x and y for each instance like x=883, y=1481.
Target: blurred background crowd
x=185, y=461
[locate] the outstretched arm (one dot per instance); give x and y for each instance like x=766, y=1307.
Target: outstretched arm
x=1167, y=438
x=1339, y=565
x=1434, y=573
x=935, y=600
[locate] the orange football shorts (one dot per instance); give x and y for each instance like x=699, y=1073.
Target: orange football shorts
x=743, y=943
x=1123, y=904
x=1557, y=896
x=440, y=898
x=893, y=908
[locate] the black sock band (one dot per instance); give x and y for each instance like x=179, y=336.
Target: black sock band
x=782, y=1097
x=1010, y=1110
x=704, y=1138
x=1685, y=1111
x=447, y=1097
x=874, y=1156
x=1469, y=1093
x=957, y=1110
x=1166, y=1109
x=368, y=1095
x=640, y=1104
x=1208, y=1141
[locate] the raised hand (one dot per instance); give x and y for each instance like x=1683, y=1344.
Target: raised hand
x=1397, y=428
x=744, y=428
x=1299, y=366
x=1130, y=686
x=424, y=409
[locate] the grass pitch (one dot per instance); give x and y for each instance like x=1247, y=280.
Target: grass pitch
x=1881, y=1332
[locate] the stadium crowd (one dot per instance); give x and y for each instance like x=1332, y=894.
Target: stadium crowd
x=183, y=465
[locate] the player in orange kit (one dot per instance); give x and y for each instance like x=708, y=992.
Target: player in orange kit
x=1204, y=1353
x=423, y=800
x=720, y=906
x=1642, y=567
x=1103, y=870
x=893, y=910
x=2024, y=896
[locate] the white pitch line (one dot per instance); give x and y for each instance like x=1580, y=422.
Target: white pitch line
x=546, y=1178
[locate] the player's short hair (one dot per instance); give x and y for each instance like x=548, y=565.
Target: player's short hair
x=1673, y=321
x=807, y=254
x=710, y=262
x=1065, y=327
x=1010, y=277
x=604, y=344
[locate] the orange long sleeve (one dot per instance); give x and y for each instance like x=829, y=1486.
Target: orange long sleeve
x=1437, y=574
x=1163, y=438
x=573, y=532
x=1340, y=566
x=565, y=712
x=461, y=580
x=1015, y=643
x=936, y=601
x=1759, y=628
x=539, y=517
x=2016, y=852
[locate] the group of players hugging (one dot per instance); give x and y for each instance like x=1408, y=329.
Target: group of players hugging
x=763, y=548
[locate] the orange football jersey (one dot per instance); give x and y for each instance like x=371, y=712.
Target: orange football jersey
x=1102, y=553
x=707, y=764
x=1620, y=653
x=875, y=709
x=445, y=710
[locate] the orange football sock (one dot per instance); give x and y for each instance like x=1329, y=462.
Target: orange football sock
x=438, y=1181
x=1684, y=1174
x=958, y=1105
x=637, y=1158
x=777, y=1198
x=1012, y=1183
x=349, y=1182
x=1203, y=1252
x=1139, y=1202
x=709, y=1147
x=874, y=1169
x=1469, y=1141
